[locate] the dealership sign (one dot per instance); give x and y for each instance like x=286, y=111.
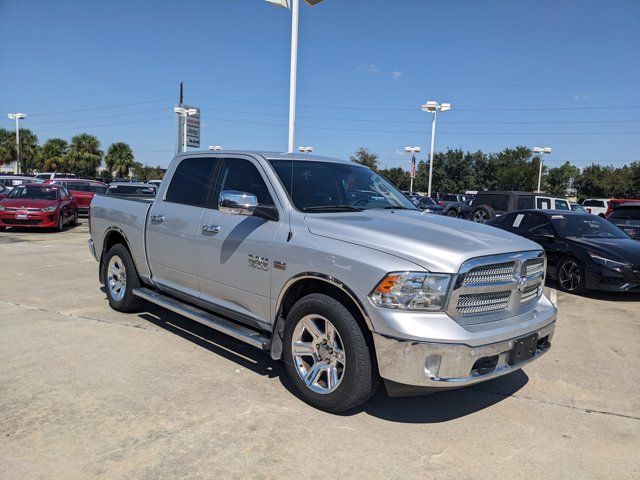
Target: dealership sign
x=193, y=128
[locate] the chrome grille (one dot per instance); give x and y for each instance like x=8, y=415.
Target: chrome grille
x=475, y=303
x=530, y=293
x=534, y=267
x=498, y=272
x=14, y=209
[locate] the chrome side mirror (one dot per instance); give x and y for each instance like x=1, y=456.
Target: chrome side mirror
x=237, y=203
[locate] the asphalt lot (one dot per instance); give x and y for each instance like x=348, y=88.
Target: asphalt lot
x=86, y=392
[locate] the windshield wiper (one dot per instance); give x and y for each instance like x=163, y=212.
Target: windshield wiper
x=332, y=208
x=395, y=207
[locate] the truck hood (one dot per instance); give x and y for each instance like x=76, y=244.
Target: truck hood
x=435, y=242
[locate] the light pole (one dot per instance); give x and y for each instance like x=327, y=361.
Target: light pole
x=306, y=150
x=541, y=151
x=17, y=117
x=412, y=151
x=433, y=107
x=294, y=6
x=215, y=147
x=185, y=112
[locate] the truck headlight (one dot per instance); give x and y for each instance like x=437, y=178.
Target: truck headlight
x=412, y=291
x=51, y=208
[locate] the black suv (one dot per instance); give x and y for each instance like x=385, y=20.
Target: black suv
x=488, y=205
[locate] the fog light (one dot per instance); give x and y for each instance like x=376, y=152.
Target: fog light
x=432, y=365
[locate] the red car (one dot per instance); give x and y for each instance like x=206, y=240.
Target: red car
x=614, y=202
x=82, y=191
x=38, y=205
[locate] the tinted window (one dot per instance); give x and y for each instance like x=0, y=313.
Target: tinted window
x=426, y=202
x=586, y=226
x=243, y=176
x=190, y=182
x=629, y=213
x=499, y=203
x=593, y=203
x=36, y=192
x=561, y=205
x=543, y=203
x=96, y=188
x=74, y=186
x=132, y=190
x=525, y=203
x=450, y=198
x=535, y=224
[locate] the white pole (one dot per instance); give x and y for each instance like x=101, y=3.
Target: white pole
x=294, y=68
x=433, y=138
x=17, y=145
x=184, y=133
x=412, y=171
x=540, y=172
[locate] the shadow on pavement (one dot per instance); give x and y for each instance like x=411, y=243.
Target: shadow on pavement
x=434, y=408
x=599, y=294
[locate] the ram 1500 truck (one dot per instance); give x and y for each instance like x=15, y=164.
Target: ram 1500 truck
x=329, y=267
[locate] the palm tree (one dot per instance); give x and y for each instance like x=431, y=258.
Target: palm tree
x=120, y=159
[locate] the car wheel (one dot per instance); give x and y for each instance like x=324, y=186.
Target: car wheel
x=326, y=354
x=570, y=276
x=120, y=279
x=482, y=214
x=75, y=218
x=60, y=225
x=452, y=213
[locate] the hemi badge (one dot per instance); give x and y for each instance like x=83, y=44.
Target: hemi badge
x=279, y=265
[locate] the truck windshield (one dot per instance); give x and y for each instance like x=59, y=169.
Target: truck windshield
x=319, y=186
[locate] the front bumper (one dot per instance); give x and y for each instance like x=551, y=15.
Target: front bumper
x=441, y=365
x=32, y=220
x=598, y=277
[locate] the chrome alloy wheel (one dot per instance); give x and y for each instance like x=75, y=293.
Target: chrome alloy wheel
x=570, y=275
x=318, y=353
x=116, y=278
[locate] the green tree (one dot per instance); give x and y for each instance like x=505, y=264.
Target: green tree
x=7, y=146
x=559, y=179
x=366, y=158
x=84, y=155
x=52, y=156
x=399, y=177
x=119, y=159
x=28, y=148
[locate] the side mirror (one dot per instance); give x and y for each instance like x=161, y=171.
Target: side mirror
x=237, y=203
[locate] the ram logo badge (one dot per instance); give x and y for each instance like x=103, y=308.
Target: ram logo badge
x=258, y=262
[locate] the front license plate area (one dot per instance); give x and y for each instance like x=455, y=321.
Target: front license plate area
x=524, y=349
x=22, y=216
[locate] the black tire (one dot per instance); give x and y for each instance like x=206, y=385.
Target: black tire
x=75, y=218
x=128, y=302
x=359, y=379
x=482, y=214
x=452, y=212
x=60, y=226
x=573, y=268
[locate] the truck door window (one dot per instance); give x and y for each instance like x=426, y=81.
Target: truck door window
x=242, y=175
x=190, y=182
x=561, y=204
x=543, y=203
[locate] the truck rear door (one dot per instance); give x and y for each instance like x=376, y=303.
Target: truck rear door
x=173, y=225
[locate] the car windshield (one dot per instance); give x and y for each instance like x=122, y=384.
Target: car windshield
x=337, y=187
x=626, y=213
x=35, y=192
x=585, y=226
x=427, y=201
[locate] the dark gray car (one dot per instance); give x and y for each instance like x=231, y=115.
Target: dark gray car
x=627, y=218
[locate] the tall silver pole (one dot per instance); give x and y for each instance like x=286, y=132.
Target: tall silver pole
x=17, y=145
x=540, y=172
x=293, y=73
x=433, y=138
x=412, y=171
x=184, y=133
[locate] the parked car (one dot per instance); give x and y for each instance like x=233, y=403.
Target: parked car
x=269, y=249
x=154, y=182
x=455, y=205
x=626, y=216
x=4, y=191
x=38, y=205
x=576, y=207
x=596, y=206
x=426, y=204
x=83, y=191
x=132, y=189
x=54, y=176
x=614, y=202
x=488, y=205
x=583, y=251
x=11, y=181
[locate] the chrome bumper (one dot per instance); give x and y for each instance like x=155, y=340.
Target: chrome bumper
x=92, y=249
x=443, y=365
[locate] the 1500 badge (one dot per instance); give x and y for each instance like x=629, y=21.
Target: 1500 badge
x=258, y=262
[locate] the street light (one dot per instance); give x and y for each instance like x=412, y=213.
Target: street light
x=215, y=147
x=185, y=112
x=306, y=150
x=17, y=117
x=294, y=6
x=412, y=151
x=433, y=107
x=541, y=151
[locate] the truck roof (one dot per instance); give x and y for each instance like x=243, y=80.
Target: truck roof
x=268, y=155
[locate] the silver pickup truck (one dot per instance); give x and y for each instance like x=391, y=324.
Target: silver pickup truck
x=328, y=266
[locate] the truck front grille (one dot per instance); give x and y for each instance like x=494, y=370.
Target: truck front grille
x=475, y=303
x=496, y=287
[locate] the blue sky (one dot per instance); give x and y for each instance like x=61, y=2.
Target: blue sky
x=517, y=73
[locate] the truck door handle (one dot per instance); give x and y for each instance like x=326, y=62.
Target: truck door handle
x=210, y=228
x=157, y=218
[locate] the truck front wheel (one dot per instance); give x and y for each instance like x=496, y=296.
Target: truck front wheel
x=121, y=278
x=326, y=354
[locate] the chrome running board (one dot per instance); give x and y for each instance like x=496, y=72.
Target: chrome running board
x=239, y=332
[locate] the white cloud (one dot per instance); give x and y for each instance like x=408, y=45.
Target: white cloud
x=396, y=74
x=370, y=68
x=580, y=96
